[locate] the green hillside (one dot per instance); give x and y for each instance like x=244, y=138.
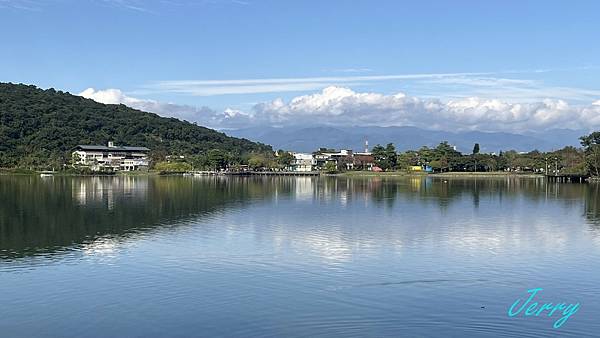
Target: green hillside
x=39, y=128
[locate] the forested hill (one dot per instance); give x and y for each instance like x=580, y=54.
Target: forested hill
x=40, y=127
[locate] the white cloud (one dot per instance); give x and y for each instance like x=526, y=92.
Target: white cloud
x=276, y=85
x=510, y=90
x=134, y=5
x=354, y=70
x=26, y=5
x=203, y=115
x=335, y=105
x=444, y=86
x=343, y=106
x=108, y=96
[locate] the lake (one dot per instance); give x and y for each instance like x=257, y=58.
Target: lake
x=294, y=256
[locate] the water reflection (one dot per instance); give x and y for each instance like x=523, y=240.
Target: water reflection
x=592, y=204
x=46, y=215
x=42, y=216
x=284, y=256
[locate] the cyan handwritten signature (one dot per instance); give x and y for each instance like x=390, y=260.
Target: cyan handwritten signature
x=531, y=308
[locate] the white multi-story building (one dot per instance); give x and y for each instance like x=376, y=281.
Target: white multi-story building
x=302, y=162
x=343, y=157
x=111, y=157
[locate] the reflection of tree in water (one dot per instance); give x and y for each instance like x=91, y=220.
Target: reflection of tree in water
x=592, y=204
x=386, y=191
x=40, y=216
x=46, y=216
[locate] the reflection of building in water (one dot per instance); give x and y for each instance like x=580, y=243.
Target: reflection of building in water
x=415, y=183
x=108, y=190
x=304, y=188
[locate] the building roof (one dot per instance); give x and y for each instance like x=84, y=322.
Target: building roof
x=105, y=148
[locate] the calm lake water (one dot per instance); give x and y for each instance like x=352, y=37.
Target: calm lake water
x=294, y=257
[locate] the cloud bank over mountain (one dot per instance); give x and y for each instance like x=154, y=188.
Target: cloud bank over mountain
x=342, y=106
x=205, y=116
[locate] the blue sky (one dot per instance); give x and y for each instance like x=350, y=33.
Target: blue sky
x=240, y=55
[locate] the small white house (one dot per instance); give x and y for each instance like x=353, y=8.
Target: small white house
x=302, y=162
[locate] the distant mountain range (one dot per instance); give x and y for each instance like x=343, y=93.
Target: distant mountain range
x=308, y=139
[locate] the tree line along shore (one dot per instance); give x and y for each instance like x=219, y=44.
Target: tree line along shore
x=441, y=160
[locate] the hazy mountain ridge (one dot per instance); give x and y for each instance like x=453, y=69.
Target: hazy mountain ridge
x=310, y=138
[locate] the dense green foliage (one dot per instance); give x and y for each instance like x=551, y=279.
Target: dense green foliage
x=591, y=144
x=38, y=129
x=331, y=168
x=285, y=159
x=385, y=158
x=173, y=167
x=443, y=158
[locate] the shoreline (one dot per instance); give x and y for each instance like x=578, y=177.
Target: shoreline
x=27, y=172
x=493, y=174
x=358, y=174
x=488, y=174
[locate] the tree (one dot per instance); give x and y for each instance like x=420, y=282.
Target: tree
x=436, y=165
x=491, y=163
x=75, y=159
x=385, y=158
x=425, y=155
x=330, y=167
x=217, y=159
x=591, y=144
x=572, y=160
x=476, y=157
x=200, y=161
x=257, y=161
x=446, y=153
x=173, y=167
x=285, y=159
x=406, y=159
x=391, y=155
x=501, y=162
x=380, y=157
